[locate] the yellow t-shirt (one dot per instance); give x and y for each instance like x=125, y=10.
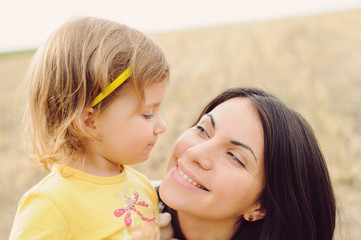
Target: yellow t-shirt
x=76, y=205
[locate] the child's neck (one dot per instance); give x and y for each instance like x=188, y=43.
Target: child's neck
x=102, y=171
x=98, y=165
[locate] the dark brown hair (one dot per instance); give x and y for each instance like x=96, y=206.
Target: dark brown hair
x=297, y=195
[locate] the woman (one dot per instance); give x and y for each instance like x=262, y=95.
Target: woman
x=250, y=168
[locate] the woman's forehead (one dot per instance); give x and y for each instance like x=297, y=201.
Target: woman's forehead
x=241, y=107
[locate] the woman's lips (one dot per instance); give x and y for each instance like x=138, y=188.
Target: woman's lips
x=183, y=179
x=190, y=180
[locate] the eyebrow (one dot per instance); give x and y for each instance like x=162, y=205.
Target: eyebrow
x=154, y=104
x=234, y=142
x=212, y=119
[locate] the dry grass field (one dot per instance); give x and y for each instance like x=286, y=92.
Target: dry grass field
x=312, y=63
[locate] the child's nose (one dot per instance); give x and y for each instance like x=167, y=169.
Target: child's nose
x=160, y=127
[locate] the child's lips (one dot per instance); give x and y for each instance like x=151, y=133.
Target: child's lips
x=152, y=144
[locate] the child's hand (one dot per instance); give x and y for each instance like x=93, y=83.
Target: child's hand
x=166, y=230
x=146, y=231
x=150, y=232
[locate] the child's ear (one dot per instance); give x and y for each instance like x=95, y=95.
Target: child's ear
x=87, y=117
x=257, y=213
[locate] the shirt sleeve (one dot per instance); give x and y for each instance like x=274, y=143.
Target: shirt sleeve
x=39, y=217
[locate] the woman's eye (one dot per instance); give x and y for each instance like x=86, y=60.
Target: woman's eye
x=202, y=130
x=235, y=158
x=148, y=116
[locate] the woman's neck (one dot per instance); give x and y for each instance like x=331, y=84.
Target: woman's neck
x=195, y=228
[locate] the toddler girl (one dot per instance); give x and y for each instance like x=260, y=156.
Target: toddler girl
x=94, y=93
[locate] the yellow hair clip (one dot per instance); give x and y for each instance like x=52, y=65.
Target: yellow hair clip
x=112, y=86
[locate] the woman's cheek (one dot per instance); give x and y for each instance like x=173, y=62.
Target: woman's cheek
x=184, y=142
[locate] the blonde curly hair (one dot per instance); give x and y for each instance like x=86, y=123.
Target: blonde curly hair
x=77, y=63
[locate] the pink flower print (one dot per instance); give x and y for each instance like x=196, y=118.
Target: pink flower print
x=131, y=207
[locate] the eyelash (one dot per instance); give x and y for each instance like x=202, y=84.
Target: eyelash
x=202, y=130
x=235, y=158
x=148, y=116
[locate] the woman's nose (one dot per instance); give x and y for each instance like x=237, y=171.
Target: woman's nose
x=202, y=154
x=160, y=126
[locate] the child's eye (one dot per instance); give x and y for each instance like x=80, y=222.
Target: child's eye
x=235, y=158
x=148, y=116
x=202, y=130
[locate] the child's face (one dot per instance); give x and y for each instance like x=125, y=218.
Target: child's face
x=128, y=134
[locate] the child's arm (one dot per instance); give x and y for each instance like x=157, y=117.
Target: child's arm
x=166, y=231
x=38, y=217
x=165, y=225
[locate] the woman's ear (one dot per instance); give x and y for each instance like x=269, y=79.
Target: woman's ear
x=256, y=214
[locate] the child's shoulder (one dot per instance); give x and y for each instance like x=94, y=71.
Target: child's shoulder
x=53, y=185
x=135, y=173
x=137, y=177
x=46, y=183
x=42, y=188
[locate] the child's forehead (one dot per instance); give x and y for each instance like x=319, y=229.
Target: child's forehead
x=154, y=94
x=150, y=96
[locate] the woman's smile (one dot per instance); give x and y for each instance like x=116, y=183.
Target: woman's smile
x=185, y=180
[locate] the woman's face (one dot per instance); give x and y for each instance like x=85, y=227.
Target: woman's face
x=215, y=171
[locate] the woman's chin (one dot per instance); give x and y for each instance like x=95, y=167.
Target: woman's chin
x=164, y=192
x=174, y=195
x=169, y=194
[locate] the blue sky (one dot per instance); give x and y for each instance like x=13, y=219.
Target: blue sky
x=26, y=24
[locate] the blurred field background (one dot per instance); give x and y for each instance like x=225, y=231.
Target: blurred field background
x=312, y=63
